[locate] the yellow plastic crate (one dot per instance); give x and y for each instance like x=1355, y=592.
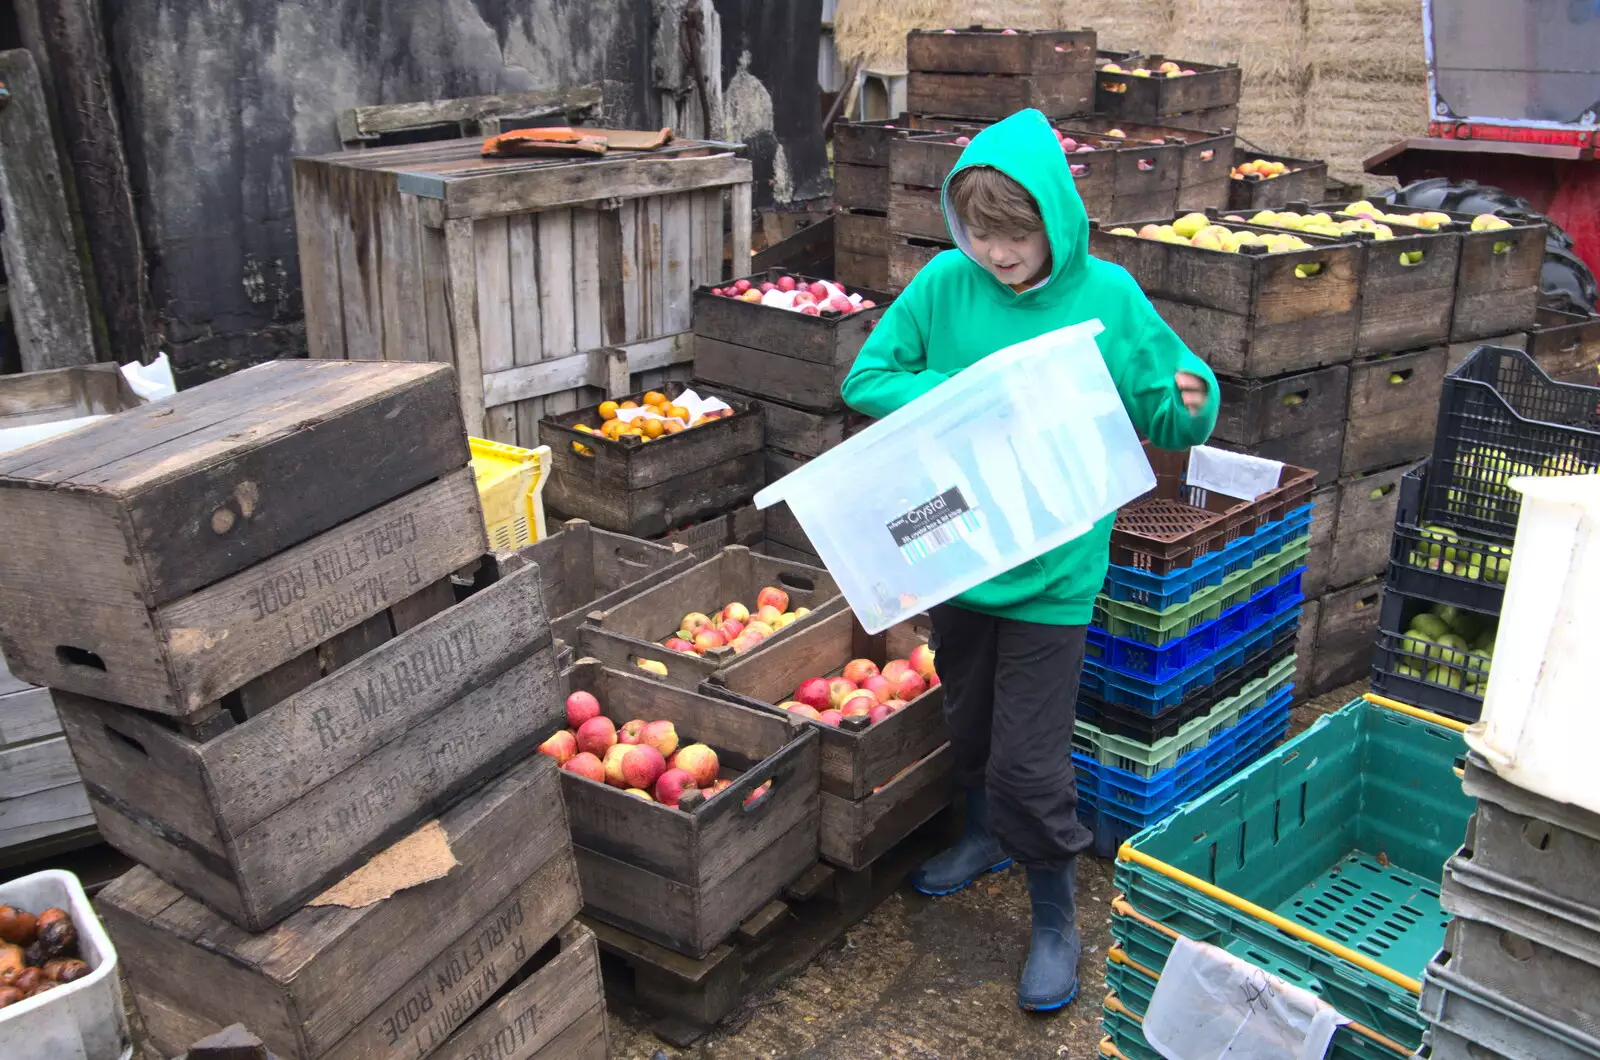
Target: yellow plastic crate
x=511, y=487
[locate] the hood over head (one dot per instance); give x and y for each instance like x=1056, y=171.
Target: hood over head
x=1025, y=148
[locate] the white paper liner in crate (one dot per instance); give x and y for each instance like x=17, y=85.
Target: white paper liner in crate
x=1232, y=474
x=1211, y=1005
x=690, y=401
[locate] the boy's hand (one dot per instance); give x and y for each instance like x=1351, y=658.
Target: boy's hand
x=1193, y=390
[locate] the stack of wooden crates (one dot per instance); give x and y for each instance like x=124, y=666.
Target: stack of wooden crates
x=244, y=600
x=1333, y=358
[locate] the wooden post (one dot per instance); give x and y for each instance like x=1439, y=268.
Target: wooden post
x=77, y=77
x=739, y=224
x=42, y=269
x=461, y=292
x=688, y=67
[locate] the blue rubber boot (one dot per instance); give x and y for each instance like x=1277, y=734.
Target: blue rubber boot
x=1050, y=978
x=974, y=854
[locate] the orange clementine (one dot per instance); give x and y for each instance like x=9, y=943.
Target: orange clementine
x=671, y=426
x=608, y=410
x=655, y=397
x=654, y=428
x=628, y=405
x=678, y=411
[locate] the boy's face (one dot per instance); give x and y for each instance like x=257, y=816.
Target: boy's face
x=1010, y=257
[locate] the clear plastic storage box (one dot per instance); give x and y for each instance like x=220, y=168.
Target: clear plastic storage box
x=1015, y=456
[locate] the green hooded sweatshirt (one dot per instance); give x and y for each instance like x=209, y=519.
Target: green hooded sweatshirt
x=955, y=312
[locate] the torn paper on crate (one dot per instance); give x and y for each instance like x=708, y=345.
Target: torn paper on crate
x=1211, y=1005
x=150, y=382
x=1232, y=474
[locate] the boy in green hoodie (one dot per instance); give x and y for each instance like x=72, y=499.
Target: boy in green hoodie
x=1011, y=650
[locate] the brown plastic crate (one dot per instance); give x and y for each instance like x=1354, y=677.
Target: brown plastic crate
x=1172, y=526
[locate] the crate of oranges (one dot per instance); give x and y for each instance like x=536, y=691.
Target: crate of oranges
x=650, y=462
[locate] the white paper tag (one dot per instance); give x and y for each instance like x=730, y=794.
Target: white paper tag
x=1232, y=474
x=1211, y=1005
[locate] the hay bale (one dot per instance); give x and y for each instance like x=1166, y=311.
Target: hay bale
x=1352, y=119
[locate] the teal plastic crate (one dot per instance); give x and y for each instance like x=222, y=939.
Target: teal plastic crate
x=1342, y=833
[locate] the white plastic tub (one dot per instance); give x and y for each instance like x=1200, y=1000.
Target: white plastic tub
x=1013, y=457
x=83, y=1020
x=1541, y=719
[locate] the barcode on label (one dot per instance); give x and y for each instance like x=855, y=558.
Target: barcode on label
x=930, y=526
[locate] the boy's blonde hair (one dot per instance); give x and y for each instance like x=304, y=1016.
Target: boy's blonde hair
x=984, y=197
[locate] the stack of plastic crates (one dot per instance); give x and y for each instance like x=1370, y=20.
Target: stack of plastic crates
x=1319, y=864
x=1519, y=973
x=1189, y=669
x=1500, y=418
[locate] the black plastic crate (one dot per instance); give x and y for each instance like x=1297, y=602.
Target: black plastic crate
x=1501, y=417
x=1402, y=662
x=1117, y=720
x=1442, y=564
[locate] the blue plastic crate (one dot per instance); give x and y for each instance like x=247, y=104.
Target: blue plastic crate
x=1114, y=822
x=1161, y=591
x=1195, y=772
x=1134, y=674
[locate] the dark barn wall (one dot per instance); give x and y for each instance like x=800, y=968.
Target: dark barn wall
x=218, y=96
x=770, y=95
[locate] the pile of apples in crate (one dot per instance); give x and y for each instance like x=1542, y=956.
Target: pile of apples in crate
x=735, y=626
x=1198, y=230
x=812, y=298
x=1260, y=167
x=641, y=757
x=654, y=418
x=1166, y=69
x=863, y=691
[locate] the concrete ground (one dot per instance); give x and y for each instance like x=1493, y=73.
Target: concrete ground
x=927, y=977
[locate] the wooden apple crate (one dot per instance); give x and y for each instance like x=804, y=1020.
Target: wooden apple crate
x=785, y=538
x=1206, y=119
x=165, y=556
x=1392, y=404
x=776, y=353
x=397, y=977
x=861, y=199
x=43, y=806
x=907, y=256
x=1364, y=524
x=687, y=878
x=1254, y=411
x=547, y=283
x=1304, y=182
x=1324, y=521
x=583, y=569
x=861, y=248
x=28, y=398
x=1248, y=315
x=1305, y=648
x=742, y=526
x=1566, y=345
x=1347, y=627
x=357, y=744
x=634, y=629
x=1204, y=157
x=688, y=997
x=1155, y=99
x=645, y=489
x=867, y=805
x=987, y=73
x=1316, y=448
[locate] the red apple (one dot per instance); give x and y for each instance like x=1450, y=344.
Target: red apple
x=642, y=766
x=581, y=706
x=895, y=704
x=810, y=310
x=803, y=296
x=700, y=761
x=586, y=765
x=768, y=614
x=813, y=692
x=716, y=290
x=839, y=689
x=729, y=630
x=859, y=703
x=597, y=736
x=741, y=286
x=880, y=712
x=736, y=612
x=909, y=686
x=867, y=303
x=858, y=670
x=707, y=639
x=830, y=717
x=772, y=597
x=756, y=794
x=671, y=785
x=679, y=644
x=801, y=709
x=639, y=793
x=922, y=660
x=896, y=667
x=630, y=731
x=880, y=688
x=962, y=141
x=561, y=746
x=768, y=287
x=786, y=283
x=694, y=622
x=819, y=291
x=747, y=640
x=933, y=682
x=663, y=736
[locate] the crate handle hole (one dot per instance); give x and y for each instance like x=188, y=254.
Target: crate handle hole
x=1537, y=835
x=1146, y=164
x=70, y=656
x=1504, y=246
x=759, y=798
x=1402, y=377
x=1516, y=947
x=797, y=581
x=1295, y=399
x=123, y=738
x=1207, y=155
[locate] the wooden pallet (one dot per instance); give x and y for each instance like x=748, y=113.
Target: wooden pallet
x=687, y=998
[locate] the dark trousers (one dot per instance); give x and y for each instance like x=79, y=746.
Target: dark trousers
x=1010, y=700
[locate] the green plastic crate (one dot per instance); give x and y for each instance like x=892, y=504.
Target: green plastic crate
x=1149, y=759
x=1135, y=989
x=1148, y=626
x=1342, y=831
